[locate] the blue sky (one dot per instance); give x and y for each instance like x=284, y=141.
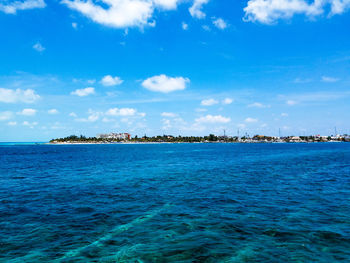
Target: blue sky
x=190, y=67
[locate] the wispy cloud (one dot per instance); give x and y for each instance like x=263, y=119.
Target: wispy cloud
x=213, y=119
x=38, y=47
x=329, y=79
x=258, y=105
x=53, y=111
x=209, y=102
x=27, y=112
x=11, y=7
x=250, y=120
x=6, y=115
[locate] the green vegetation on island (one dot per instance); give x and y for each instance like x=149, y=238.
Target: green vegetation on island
x=211, y=138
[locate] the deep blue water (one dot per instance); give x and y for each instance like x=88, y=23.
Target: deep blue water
x=175, y=203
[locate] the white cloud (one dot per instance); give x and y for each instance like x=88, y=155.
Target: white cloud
x=251, y=120
x=196, y=9
x=258, y=105
x=283, y=114
x=201, y=110
x=169, y=114
x=11, y=7
x=269, y=11
x=74, y=25
x=184, y=26
x=18, y=95
x=38, y=47
x=339, y=6
x=220, y=23
x=12, y=123
x=227, y=101
x=30, y=124
x=5, y=115
x=166, y=124
x=302, y=81
x=206, y=27
x=73, y=114
x=209, y=102
x=52, y=111
x=165, y=84
x=83, y=92
x=121, y=13
x=291, y=102
x=329, y=79
x=109, y=81
x=93, y=117
x=213, y=119
x=27, y=112
x=121, y=112
x=166, y=4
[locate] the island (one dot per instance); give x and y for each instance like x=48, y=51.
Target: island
x=211, y=138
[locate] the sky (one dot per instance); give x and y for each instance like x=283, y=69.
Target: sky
x=179, y=67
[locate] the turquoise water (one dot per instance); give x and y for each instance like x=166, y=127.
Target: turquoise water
x=175, y=203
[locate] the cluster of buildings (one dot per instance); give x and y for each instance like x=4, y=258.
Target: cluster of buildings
x=115, y=136
x=313, y=138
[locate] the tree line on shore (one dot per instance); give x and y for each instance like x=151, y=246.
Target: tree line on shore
x=198, y=139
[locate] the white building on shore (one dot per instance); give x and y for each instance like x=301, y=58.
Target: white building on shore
x=115, y=136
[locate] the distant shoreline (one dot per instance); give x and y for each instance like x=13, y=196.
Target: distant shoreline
x=133, y=143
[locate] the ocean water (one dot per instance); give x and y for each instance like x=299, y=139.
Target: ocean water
x=175, y=203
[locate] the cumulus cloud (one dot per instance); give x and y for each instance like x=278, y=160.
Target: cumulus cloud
x=269, y=11
x=11, y=7
x=251, y=120
x=196, y=9
x=83, y=92
x=227, y=101
x=115, y=13
x=5, y=115
x=121, y=13
x=212, y=119
x=52, y=111
x=73, y=114
x=38, y=47
x=165, y=84
x=220, y=23
x=209, y=102
x=121, y=112
x=27, y=112
x=109, y=81
x=18, y=95
x=184, y=26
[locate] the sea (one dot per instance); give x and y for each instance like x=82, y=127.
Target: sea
x=175, y=203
